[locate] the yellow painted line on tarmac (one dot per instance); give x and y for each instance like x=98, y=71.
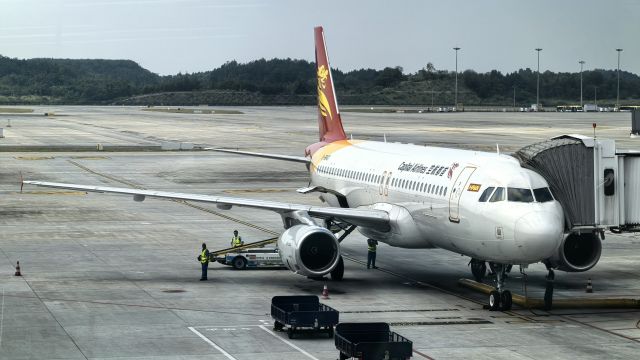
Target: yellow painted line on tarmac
x=91, y=157
x=51, y=192
x=246, y=191
x=576, y=303
x=35, y=157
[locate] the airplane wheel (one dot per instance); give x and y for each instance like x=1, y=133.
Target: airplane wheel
x=330, y=331
x=506, y=300
x=290, y=333
x=239, y=263
x=337, y=274
x=494, y=301
x=278, y=326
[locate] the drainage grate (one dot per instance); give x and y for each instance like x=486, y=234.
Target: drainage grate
x=427, y=323
x=173, y=291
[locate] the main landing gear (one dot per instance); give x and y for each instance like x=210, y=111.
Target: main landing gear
x=478, y=269
x=500, y=299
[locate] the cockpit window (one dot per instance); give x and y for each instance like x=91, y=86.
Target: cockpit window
x=498, y=195
x=543, y=194
x=519, y=195
x=485, y=195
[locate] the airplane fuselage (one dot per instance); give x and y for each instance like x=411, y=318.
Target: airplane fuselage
x=484, y=205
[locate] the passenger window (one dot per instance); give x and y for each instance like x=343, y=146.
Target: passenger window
x=498, y=195
x=543, y=194
x=485, y=195
x=519, y=195
x=444, y=193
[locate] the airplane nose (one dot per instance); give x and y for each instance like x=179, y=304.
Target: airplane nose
x=539, y=234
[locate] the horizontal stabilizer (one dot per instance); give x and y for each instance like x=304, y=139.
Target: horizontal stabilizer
x=299, y=159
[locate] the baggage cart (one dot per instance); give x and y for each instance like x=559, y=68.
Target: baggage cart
x=301, y=314
x=371, y=341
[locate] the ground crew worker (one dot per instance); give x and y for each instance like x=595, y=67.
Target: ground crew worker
x=236, y=240
x=204, y=261
x=371, y=253
x=548, y=291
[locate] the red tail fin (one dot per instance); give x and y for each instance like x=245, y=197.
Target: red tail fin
x=328, y=114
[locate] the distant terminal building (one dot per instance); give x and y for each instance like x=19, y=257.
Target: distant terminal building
x=568, y=108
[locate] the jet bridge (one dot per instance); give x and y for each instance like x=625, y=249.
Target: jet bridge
x=597, y=185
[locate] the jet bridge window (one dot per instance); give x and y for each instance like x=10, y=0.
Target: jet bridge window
x=519, y=195
x=485, y=195
x=498, y=195
x=542, y=194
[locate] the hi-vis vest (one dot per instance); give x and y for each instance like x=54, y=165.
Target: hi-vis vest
x=203, y=257
x=372, y=246
x=236, y=241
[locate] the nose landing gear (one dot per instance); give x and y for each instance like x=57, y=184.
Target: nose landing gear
x=500, y=299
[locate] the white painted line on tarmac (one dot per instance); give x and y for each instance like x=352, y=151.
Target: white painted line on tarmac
x=212, y=344
x=289, y=343
x=1, y=317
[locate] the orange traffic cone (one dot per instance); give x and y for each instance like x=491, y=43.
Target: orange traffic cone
x=325, y=292
x=589, y=287
x=18, y=269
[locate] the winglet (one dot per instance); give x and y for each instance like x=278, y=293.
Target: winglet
x=329, y=121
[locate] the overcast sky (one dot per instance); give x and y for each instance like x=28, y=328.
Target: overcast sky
x=171, y=36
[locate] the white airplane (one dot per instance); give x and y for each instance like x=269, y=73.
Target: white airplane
x=482, y=205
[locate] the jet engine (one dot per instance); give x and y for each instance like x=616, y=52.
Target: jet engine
x=578, y=252
x=309, y=250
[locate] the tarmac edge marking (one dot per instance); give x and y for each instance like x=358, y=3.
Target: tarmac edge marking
x=288, y=343
x=208, y=341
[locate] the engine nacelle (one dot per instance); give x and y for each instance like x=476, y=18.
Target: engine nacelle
x=578, y=252
x=309, y=250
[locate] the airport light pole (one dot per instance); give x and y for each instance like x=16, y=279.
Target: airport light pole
x=538, y=82
x=455, y=105
x=581, y=62
x=618, y=93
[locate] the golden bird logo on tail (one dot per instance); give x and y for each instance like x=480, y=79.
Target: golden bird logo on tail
x=323, y=102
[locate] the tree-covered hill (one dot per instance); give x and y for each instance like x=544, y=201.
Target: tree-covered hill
x=71, y=81
x=288, y=81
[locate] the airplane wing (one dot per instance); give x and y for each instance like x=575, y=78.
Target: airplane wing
x=376, y=219
x=299, y=159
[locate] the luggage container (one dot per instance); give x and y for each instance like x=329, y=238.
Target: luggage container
x=371, y=341
x=302, y=313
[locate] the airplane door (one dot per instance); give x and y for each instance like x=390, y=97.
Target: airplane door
x=386, y=184
x=456, y=193
x=381, y=185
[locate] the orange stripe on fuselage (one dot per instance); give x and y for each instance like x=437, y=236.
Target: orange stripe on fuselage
x=329, y=149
